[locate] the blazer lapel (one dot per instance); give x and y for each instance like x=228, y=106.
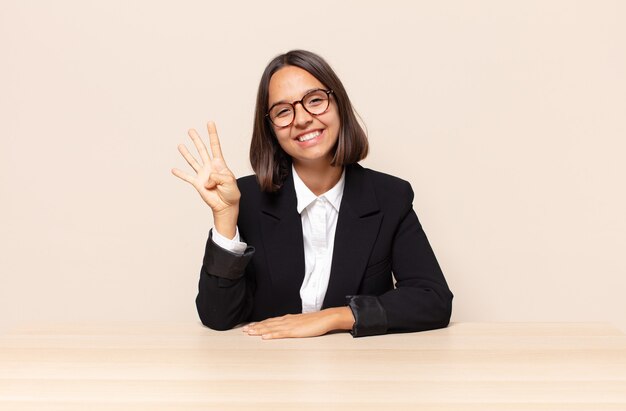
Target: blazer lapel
x=281, y=228
x=357, y=228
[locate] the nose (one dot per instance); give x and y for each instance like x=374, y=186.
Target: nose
x=301, y=116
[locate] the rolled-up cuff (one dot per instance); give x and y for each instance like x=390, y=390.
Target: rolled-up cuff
x=234, y=245
x=223, y=263
x=369, y=315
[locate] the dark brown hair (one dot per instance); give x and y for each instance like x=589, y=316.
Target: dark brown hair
x=269, y=161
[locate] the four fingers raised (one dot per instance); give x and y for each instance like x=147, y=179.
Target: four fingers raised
x=211, y=170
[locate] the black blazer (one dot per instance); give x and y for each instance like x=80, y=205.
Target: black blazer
x=377, y=234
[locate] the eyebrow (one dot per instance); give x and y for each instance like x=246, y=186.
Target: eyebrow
x=305, y=93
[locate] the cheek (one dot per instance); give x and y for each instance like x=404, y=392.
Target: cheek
x=335, y=125
x=334, y=120
x=281, y=135
x=283, y=138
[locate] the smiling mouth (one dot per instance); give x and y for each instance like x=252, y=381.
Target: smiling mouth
x=308, y=136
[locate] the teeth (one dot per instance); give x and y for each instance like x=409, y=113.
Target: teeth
x=309, y=136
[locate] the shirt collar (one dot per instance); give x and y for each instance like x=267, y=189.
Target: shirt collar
x=305, y=196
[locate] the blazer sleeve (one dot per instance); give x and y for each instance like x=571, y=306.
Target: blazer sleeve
x=421, y=299
x=224, y=291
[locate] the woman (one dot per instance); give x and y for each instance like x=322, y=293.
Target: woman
x=308, y=244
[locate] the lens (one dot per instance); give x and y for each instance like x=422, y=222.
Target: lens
x=316, y=102
x=281, y=115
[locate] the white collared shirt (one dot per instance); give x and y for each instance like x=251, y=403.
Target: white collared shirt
x=319, y=222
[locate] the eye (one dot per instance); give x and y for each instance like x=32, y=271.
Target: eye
x=315, y=99
x=281, y=111
x=284, y=112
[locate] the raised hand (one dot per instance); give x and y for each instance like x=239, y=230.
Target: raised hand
x=215, y=183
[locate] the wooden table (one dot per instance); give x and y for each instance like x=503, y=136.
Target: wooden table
x=467, y=366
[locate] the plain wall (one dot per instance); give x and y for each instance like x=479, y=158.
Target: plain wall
x=506, y=117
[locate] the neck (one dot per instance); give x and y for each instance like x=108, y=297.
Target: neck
x=318, y=178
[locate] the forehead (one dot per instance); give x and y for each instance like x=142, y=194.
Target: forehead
x=291, y=83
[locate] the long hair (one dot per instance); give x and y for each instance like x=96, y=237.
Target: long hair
x=269, y=161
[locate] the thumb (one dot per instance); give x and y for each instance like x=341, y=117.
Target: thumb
x=215, y=179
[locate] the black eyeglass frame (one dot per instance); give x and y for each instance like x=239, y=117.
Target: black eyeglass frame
x=293, y=106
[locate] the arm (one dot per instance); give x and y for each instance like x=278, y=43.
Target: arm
x=223, y=291
x=421, y=300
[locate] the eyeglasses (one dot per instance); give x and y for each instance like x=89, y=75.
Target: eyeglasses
x=315, y=102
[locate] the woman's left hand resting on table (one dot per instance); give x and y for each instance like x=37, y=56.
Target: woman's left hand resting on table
x=302, y=325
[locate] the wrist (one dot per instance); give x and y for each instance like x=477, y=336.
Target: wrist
x=342, y=318
x=226, y=224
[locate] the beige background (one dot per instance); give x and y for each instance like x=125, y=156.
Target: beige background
x=507, y=118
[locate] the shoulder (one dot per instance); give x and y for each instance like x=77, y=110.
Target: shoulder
x=249, y=188
x=248, y=183
x=385, y=185
x=249, y=204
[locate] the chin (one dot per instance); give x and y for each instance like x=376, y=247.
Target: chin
x=312, y=159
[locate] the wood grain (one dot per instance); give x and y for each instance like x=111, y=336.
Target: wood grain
x=167, y=366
